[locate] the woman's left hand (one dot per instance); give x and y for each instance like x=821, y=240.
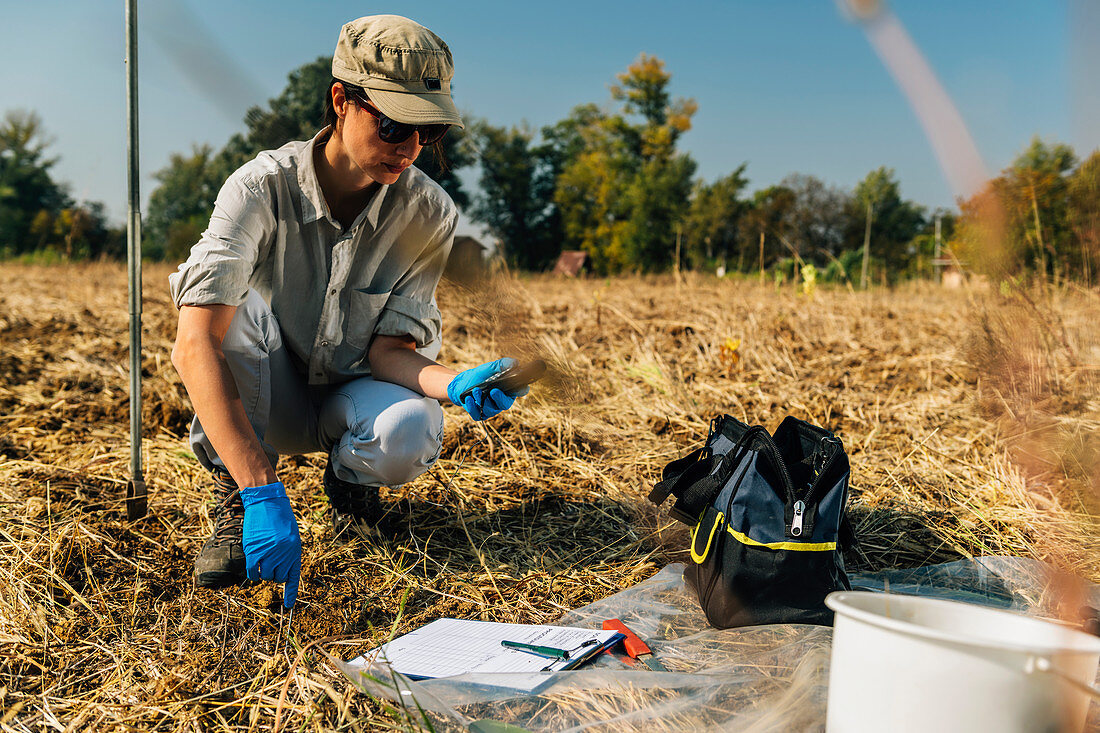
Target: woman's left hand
x=482, y=404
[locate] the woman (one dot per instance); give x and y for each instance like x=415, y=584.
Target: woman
x=307, y=310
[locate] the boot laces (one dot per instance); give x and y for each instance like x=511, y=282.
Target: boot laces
x=228, y=510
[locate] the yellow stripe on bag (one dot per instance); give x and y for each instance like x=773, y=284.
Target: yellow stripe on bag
x=744, y=539
x=706, y=551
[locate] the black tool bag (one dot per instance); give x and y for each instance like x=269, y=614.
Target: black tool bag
x=768, y=516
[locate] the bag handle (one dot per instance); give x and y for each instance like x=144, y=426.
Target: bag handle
x=701, y=484
x=693, y=498
x=674, y=472
x=696, y=478
x=674, y=475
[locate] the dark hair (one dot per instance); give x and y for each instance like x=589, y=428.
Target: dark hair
x=330, y=111
x=352, y=91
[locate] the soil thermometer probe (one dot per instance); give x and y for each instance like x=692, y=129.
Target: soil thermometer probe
x=135, y=489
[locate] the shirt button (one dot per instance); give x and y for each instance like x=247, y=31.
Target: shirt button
x=332, y=292
x=324, y=343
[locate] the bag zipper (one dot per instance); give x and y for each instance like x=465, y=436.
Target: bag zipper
x=796, y=521
x=781, y=465
x=828, y=462
x=800, y=505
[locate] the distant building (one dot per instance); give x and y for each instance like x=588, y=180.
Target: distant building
x=952, y=277
x=951, y=273
x=571, y=263
x=467, y=261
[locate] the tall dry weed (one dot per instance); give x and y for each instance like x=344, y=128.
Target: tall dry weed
x=1036, y=352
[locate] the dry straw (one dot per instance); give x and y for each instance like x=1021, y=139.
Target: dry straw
x=970, y=421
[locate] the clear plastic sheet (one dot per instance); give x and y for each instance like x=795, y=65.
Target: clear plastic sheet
x=755, y=679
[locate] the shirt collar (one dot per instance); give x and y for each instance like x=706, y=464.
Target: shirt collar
x=313, y=199
x=374, y=207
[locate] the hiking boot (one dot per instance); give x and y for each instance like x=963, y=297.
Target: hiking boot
x=220, y=562
x=360, y=503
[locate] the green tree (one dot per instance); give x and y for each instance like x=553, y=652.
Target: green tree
x=99, y=238
x=1034, y=192
x=516, y=198
x=568, y=138
x=658, y=197
x=766, y=224
x=923, y=244
x=296, y=114
x=894, y=221
x=1026, y=219
x=30, y=200
x=590, y=189
x=624, y=188
x=659, y=194
x=180, y=206
x=713, y=219
x=1083, y=218
x=818, y=218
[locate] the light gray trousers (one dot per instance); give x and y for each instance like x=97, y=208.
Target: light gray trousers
x=377, y=433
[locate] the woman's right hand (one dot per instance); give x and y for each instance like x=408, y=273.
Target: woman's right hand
x=272, y=545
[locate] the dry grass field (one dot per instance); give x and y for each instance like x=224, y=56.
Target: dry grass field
x=971, y=420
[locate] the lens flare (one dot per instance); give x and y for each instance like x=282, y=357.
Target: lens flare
x=942, y=124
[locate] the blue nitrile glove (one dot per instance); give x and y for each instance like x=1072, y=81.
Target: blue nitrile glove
x=272, y=546
x=479, y=404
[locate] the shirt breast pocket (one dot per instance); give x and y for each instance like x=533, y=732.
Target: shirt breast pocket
x=364, y=310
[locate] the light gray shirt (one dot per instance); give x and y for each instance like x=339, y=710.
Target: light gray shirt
x=331, y=288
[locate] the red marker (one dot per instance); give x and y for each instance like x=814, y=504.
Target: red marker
x=634, y=646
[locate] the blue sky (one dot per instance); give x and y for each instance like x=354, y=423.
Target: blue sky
x=786, y=86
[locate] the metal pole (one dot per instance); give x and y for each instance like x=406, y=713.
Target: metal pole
x=679, y=233
x=867, y=246
x=761, y=256
x=135, y=489
x=938, y=251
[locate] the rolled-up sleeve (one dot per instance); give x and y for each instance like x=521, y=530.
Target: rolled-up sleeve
x=411, y=309
x=221, y=263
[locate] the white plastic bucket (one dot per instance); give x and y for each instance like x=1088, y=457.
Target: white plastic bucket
x=906, y=663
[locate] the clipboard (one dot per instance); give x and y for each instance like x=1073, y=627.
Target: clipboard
x=448, y=647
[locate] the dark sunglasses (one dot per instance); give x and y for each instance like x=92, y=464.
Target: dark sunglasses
x=392, y=131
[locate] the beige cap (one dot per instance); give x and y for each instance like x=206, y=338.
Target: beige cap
x=406, y=68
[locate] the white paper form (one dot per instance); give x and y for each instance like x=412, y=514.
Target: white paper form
x=449, y=647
